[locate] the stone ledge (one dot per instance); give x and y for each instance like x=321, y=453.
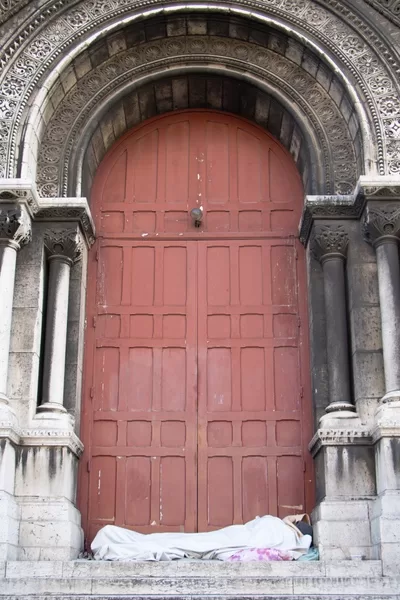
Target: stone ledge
x=84, y=569
x=41, y=437
x=24, y=192
x=339, y=437
x=351, y=206
x=239, y=586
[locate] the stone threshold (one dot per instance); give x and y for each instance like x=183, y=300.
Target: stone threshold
x=183, y=580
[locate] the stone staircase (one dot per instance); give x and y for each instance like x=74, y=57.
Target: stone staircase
x=187, y=579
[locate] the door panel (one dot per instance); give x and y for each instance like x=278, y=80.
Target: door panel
x=193, y=413
x=144, y=439
x=248, y=360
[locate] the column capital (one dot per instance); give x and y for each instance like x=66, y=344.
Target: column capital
x=382, y=222
x=330, y=241
x=15, y=226
x=65, y=244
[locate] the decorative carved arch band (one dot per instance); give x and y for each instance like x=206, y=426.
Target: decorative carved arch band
x=364, y=65
x=293, y=75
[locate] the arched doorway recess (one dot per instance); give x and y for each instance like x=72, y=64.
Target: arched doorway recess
x=196, y=411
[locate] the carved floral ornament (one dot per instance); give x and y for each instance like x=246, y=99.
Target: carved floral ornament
x=382, y=222
x=79, y=104
x=347, y=37
x=15, y=226
x=63, y=244
x=330, y=240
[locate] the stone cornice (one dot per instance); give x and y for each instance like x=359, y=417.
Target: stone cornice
x=380, y=432
x=74, y=210
x=368, y=188
x=339, y=437
x=329, y=207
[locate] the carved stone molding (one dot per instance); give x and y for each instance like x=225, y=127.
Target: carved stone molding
x=15, y=226
x=302, y=90
x=389, y=8
x=329, y=207
x=43, y=437
x=339, y=437
x=347, y=37
x=70, y=210
x=382, y=221
x=63, y=243
x=330, y=240
x=23, y=192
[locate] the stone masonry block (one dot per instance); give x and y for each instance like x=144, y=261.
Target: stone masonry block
x=116, y=43
x=366, y=408
x=119, y=121
x=180, y=93
x=197, y=26
x=387, y=456
x=107, y=130
x=368, y=375
x=363, y=284
x=82, y=64
x=46, y=471
x=23, y=374
x=336, y=91
x=7, y=466
x=365, y=324
x=28, y=290
x=26, y=330
x=68, y=78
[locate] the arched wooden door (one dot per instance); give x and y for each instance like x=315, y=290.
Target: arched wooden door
x=196, y=353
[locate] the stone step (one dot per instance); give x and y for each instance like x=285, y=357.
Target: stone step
x=197, y=580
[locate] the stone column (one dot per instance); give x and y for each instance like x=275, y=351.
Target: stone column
x=382, y=230
x=344, y=463
x=64, y=249
x=15, y=230
x=330, y=247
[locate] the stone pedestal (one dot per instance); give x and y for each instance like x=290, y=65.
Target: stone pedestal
x=345, y=473
x=45, y=487
x=385, y=514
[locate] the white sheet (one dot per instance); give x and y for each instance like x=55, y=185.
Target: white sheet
x=117, y=543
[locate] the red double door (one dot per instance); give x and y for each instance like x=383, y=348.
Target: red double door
x=194, y=413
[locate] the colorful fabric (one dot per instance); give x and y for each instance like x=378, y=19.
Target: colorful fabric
x=259, y=554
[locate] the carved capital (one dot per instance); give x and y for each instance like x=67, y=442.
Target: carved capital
x=65, y=244
x=330, y=241
x=382, y=222
x=15, y=226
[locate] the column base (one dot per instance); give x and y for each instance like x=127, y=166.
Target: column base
x=50, y=529
x=390, y=397
x=51, y=407
x=340, y=419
